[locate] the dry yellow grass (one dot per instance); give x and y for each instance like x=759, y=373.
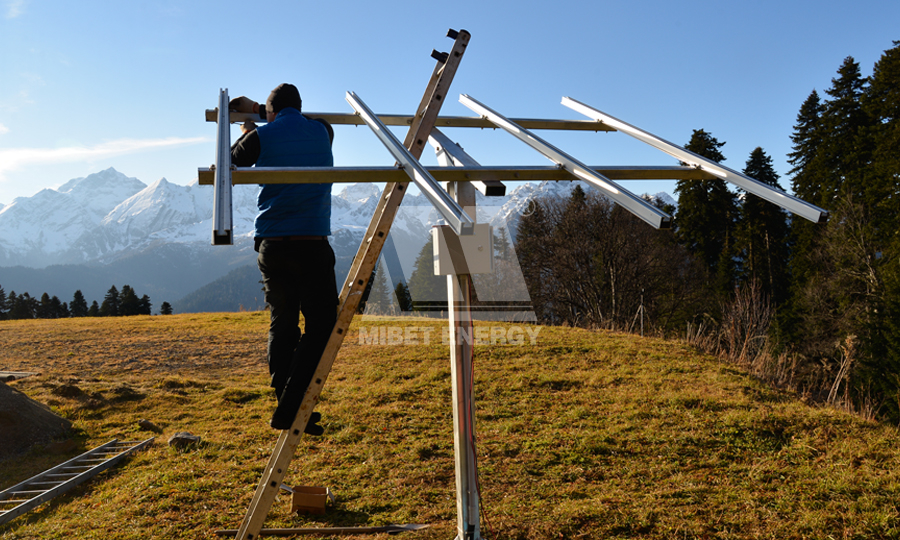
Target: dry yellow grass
x=583, y=434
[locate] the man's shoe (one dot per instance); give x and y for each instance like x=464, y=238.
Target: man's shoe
x=313, y=427
x=284, y=415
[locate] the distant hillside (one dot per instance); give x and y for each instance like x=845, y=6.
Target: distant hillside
x=237, y=290
x=166, y=273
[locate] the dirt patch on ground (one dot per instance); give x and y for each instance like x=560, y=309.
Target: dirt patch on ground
x=25, y=423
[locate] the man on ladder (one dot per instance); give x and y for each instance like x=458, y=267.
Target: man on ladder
x=291, y=236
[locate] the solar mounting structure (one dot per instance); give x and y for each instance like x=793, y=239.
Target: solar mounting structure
x=457, y=243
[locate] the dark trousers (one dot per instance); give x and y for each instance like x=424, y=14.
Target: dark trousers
x=298, y=276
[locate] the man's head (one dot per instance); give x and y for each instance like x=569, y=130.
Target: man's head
x=285, y=95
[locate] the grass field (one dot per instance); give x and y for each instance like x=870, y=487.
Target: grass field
x=580, y=435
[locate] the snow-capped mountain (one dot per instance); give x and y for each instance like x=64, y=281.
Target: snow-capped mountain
x=97, y=194
x=108, y=220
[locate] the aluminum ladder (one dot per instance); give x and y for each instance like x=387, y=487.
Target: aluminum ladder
x=39, y=489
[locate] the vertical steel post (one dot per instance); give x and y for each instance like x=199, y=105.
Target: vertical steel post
x=462, y=342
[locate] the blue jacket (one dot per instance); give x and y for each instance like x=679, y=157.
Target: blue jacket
x=292, y=140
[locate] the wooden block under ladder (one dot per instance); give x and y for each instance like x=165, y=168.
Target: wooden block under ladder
x=352, y=291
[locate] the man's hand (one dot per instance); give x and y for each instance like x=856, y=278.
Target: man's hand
x=248, y=126
x=244, y=105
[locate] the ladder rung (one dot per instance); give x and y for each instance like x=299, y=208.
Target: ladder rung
x=55, y=483
x=64, y=474
x=26, y=492
x=14, y=501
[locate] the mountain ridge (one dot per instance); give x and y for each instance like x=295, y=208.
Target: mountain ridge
x=156, y=238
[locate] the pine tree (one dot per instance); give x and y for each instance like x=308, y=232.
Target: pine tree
x=762, y=233
x=404, y=300
x=11, y=299
x=844, y=148
x=707, y=210
x=379, y=300
x=502, y=246
x=129, y=303
x=11, y=304
x=882, y=104
x=144, y=306
x=807, y=138
x=45, y=309
x=534, y=248
x=837, y=287
x=577, y=198
x=24, y=306
x=110, y=305
x=165, y=309
x=361, y=307
x=808, y=173
x=3, y=304
x=78, y=307
x=56, y=309
x=94, y=310
x=425, y=287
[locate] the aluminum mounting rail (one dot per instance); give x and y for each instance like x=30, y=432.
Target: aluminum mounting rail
x=450, y=210
x=222, y=217
x=39, y=489
x=776, y=196
x=634, y=204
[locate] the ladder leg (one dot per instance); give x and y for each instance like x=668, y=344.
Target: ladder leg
x=351, y=293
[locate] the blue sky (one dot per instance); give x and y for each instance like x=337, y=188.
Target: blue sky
x=89, y=85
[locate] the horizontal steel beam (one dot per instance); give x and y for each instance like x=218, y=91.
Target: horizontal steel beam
x=340, y=175
x=631, y=202
x=750, y=185
x=449, y=209
x=442, y=121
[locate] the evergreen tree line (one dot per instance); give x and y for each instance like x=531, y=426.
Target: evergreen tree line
x=845, y=286
x=115, y=304
x=812, y=306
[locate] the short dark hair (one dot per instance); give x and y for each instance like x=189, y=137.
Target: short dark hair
x=285, y=95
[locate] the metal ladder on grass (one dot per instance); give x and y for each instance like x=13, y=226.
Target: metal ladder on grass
x=39, y=489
